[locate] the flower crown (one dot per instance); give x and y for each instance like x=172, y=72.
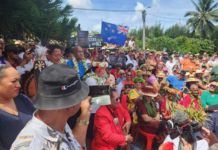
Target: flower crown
x=142, y=66
x=135, y=80
x=100, y=65
x=171, y=90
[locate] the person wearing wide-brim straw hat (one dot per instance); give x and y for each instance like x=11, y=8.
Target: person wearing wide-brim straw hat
x=148, y=114
x=60, y=95
x=170, y=103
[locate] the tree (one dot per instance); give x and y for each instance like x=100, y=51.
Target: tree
x=176, y=31
x=203, y=18
x=93, y=32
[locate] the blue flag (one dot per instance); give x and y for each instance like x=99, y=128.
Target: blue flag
x=112, y=33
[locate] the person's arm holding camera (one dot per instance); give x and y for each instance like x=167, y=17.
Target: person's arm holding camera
x=26, y=58
x=79, y=131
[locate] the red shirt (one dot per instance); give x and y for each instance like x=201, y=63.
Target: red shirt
x=124, y=102
x=113, y=73
x=187, y=101
x=106, y=135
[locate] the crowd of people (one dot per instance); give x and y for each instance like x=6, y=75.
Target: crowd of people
x=44, y=102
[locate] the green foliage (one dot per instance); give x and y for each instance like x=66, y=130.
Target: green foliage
x=176, y=31
x=94, y=32
x=43, y=19
x=203, y=18
x=161, y=42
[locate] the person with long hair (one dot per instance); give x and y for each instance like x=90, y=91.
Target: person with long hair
x=15, y=108
x=128, y=84
x=94, y=76
x=141, y=59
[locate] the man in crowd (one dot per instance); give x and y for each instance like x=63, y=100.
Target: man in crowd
x=190, y=62
x=26, y=46
x=78, y=61
x=212, y=63
x=165, y=58
x=64, y=95
x=177, y=81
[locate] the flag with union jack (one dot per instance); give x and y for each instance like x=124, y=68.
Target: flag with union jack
x=112, y=33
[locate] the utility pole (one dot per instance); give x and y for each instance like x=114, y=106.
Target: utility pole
x=143, y=19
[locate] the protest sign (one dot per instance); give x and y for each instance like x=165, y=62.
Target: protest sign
x=83, y=40
x=118, y=59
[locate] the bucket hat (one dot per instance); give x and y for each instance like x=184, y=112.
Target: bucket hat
x=59, y=87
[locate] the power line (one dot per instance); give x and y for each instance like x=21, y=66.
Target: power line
x=106, y=10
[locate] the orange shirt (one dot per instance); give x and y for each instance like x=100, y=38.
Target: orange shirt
x=187, y=63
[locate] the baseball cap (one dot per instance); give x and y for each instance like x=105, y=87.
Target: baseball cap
x=58, y=90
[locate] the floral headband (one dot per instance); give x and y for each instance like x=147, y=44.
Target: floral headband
x=100, y=65
x=142, y=66
x=136, y=80
x=171, y=90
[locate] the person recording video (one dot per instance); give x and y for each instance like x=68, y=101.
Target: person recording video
x=185, y=134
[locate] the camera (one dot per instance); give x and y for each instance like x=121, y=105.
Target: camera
x=186, y=129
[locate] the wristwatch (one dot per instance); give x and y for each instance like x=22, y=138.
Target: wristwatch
x=82, y=121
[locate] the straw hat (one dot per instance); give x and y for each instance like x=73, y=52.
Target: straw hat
x=161, y=75
x=214, y=83
x=149, y=91
x=198, y=71
x=138, y=71
x=192, y=80
x=171, y=90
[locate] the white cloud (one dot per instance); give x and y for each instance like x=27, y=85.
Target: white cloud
x=96, y=27
x=138, y=14
x=81, y=3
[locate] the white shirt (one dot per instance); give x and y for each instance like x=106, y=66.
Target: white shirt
x=131, y=43
x=88, y=61
x=201, y=144
x=21, y=55
x=170, y=65
x=92, y=81
x=37, y=135
x=215, y=63
x=132, y=62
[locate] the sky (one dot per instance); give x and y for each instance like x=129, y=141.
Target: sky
x=91, y=20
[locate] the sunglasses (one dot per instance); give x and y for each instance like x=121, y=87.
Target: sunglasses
x=15, y=52
x=122, y=74
x=137, y=82
x=117, y=99
x=213, y=86
x=128, y=75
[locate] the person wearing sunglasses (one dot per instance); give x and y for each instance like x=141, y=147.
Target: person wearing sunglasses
x=100, y=57
x=115, y=71
x=111, y=126
x=210, y=97
x=128, y=84
x=11, y=56
x=121, y=76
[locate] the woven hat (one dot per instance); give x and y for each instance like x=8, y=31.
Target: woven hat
x=192, y=80
x=138, y=71
x=198, y=71
x=171, y=89
x=214, y=83
x=142, y=66
x=149, y=91
x=161, y=75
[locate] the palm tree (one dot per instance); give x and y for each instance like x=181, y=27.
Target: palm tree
x=203, y=18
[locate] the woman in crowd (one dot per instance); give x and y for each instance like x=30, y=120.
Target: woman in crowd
x=111, y=126
x=129, y=69
x=166, y=72
x=141, y=59
x=170, y=64
x=11, y=56
x=148, y=114
x=170, y=103
x=128, y=84
x=206, y=73
x=94, y=76
x=161, y=83
x=121, y=76
x=210, y=97
x=143, y=67
x=146, y=75
x=138, y=73
x=15, y=109
x=134, y=95
x=159, y=68
x=200, y=83
x=115, y=71
x=133, y=62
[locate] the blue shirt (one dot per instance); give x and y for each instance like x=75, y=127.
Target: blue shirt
x=175, y=82
x=120, y=80
x=80, y=65
x=11, y=125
